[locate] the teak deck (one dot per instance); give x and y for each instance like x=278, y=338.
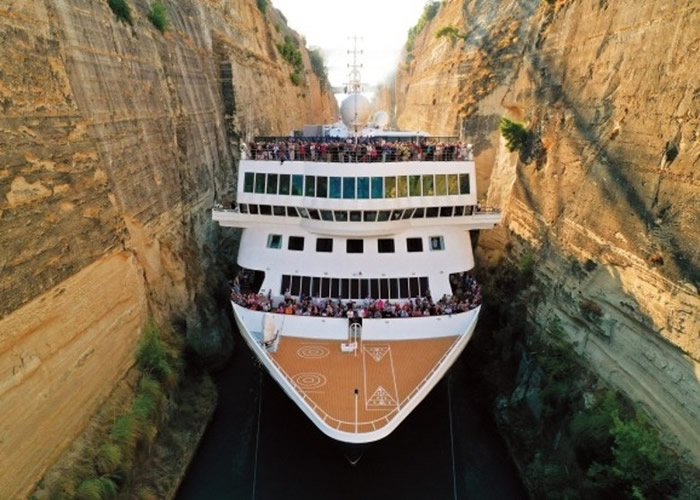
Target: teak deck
x=386, y=374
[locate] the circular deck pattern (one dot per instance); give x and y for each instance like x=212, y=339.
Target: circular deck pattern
x=308, y=381
x=313, y=351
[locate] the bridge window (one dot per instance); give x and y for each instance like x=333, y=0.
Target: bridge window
x=424, y=290
x=452, y=184
x=316, y=287
x=278, y=211
x=390, y=187
x=306, y=285
x=464, y=184
x=302, y=211
x=354, y=289
x=313, y=213
x=340, y=215
x=440, y=185
x=414, y=185
x=385, y=245
x=363, y=188
x=260, y=183
x=296, y=243
x=243, y=208
x=348, y=188
x=370, y=215
x=403, y=288
x=253, y=209
x=383, y=215
x=431, y=212
x=265, y=210
x=414, y=287
x=428, y=185
x=322, y=187
x=459, y=211
x=384, y=288
x=310, y=186
x=396, y=214
x=324, y=244
x=419, y=213
x=414, y=244
x=374, y=288
x=445, y=211
x=286, y=284
x=335, y=187
x=292, y=212
x=326, y=215
x=394, y=288
x=325, y=287
x=468, y=210
x=284, y=183
x=408, y=213
x=274, y=241
x=296, y=285
x=377, y=187
x=364, y=288
x=402, y=186
x=355, y=216
x=335, y=288
x=248, y=182
x=297, y=185
x=437, y=243
x=344, y=288
x=271, y=183
x=355, y=246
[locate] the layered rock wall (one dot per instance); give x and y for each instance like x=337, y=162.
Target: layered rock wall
x=612, y=207
x=114, y=144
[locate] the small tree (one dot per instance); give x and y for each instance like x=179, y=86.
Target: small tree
x=515, y=134
x=262, y=5
x=121, y=10
x=158, y=16
x=451, y=32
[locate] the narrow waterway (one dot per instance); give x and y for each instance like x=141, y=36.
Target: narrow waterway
x=260, y=446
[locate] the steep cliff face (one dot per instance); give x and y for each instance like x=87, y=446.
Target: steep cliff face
x=115, y=141
x=612, y=209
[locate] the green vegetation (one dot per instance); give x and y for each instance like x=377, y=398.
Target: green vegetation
x=96, y=488
x=573, y=436
x=319, y=67
x=121, y=10
x=262, y=5
x=289, y=50
x=158, y=16
x=450, y=31
x=429, y=12
x=515, y=134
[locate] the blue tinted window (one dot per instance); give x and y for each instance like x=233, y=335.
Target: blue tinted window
x=322, y=187
x=248, y=182
x=335, y=187
x=377, y=187
x=284, y=183
x=260, y=183
x=297, y=185
x=310, y=185
x=348, y=187
x=363, y=187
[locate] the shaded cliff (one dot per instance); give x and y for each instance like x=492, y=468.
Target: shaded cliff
x=115, y=140
x=612, y=206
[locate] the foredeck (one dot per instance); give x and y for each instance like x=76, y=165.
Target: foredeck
x=359, y=392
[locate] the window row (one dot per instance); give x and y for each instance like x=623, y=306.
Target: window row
x=352, y=288
x=384, y=245
x=362, y=188
x=356, y=215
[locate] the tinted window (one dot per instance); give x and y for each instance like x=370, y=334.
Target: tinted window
x=431, y=212
x=446, y=212
x=324, y=244
x=296, y=285
x=354, y=289
x=394, y=288
x=437, y=243
x=370, y=216
x=259, y=183
x=248, y=182
x=424, y=290
x=344, y=288
x=407, y=214
x=363, y=188
x=341, y=215
x=402, y=186
x=278, y=211
x=271, y=183
x=355, y=216
x=310, y=186
x=414, y=244
x=274, y=241
x=384, y=288
x=452, y=184
x=414, y=184
x=335, y=288
x=463, y=183
x=326, y=215
x=292, y=212
x=306, y=285
x=322, y=187
x=428, y=188
x=265, y=210
x=419, y=213
x=440, y=185
x=390, y=187
x=374, y=288
x=302, y=211
x=297, y=185
x=243, y=208
x=253, y=209
x=313, y=213
x=325, y=287
x=364, y=288
x=459, y=211
x=396, y=214
x=348, y=187
x=414, y=289
x=316, y=287
x=383, y=215
x=284, y=183
x=286, y=283
x=385, y=245
x=335, y=187
x=355, y=246
x=377, y=187
x=296, y=243
x=403, y=288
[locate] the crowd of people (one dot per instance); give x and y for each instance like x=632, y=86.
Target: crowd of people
x=366, y=150
x=466, y=297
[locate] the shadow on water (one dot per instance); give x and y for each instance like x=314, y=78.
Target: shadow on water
x=296, y=461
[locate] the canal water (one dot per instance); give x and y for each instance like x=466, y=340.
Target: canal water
x=260, y=446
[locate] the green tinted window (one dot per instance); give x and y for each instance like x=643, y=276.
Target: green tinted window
x=271, y=183
x=440, y=185
x=452, y=184
x=390, y=187
x=428, y=187
x=248, y=182
x=322, y=187
x=260, y=183
x=363, y=188
x=414, y=185
x=335, y=187
x=402, y=186
x=348, y=188
x=284, y=183
x=377, y=187
x=463, y=183
x=310, y=185
x=297, y=185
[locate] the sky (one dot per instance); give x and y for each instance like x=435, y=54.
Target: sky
x=330, y=24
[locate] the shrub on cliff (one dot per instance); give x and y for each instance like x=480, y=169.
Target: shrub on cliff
x=121, y=10
x=429, y=12
x=262, y=5
x=515, y=134
x=318, y=66
x=158, y=16
x=450, y=31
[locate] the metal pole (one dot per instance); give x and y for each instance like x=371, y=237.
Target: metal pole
x=356, y=392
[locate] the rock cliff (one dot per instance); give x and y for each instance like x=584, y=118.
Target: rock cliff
x=115, y=141
x=611, y=206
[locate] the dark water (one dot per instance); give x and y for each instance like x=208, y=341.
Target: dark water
x=282, y=455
